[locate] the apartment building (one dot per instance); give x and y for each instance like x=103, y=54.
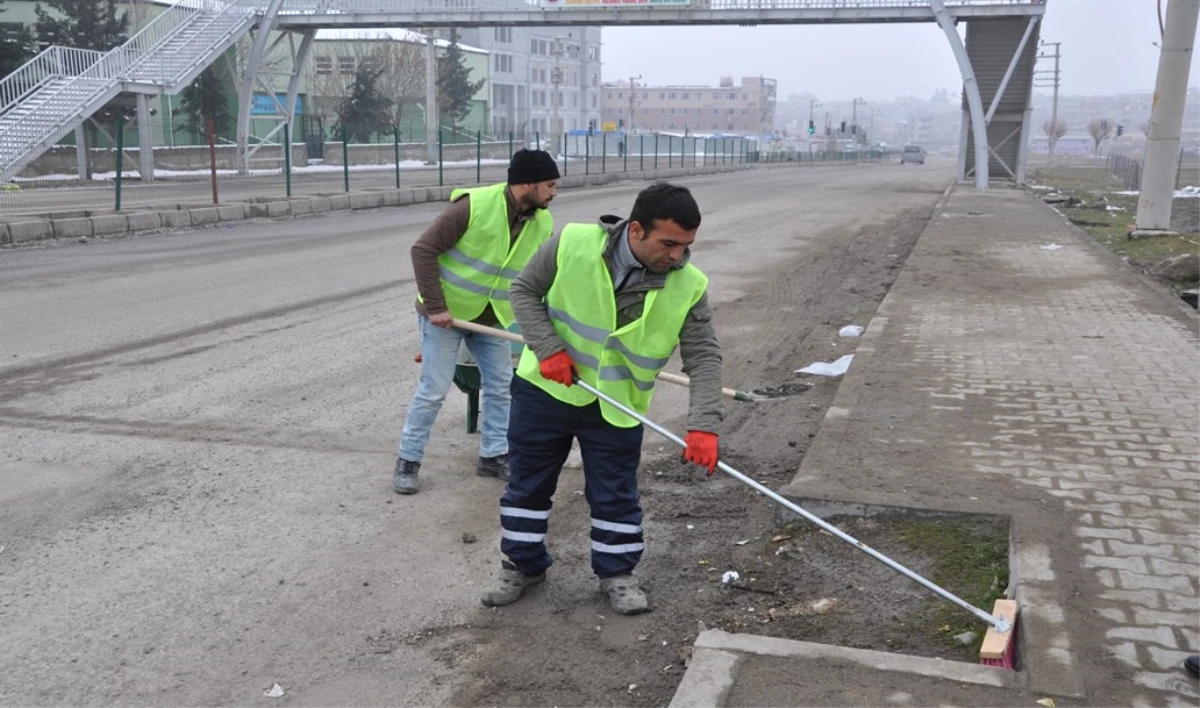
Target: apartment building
x=524, y=83
x=747, y=108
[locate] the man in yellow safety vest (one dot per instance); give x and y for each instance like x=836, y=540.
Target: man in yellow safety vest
x=464, y=264
x=609, y=304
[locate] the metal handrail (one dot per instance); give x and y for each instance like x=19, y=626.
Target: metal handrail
x=52, y=62
x=113, y=65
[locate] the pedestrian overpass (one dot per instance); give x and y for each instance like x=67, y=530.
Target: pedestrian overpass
x=57, y=91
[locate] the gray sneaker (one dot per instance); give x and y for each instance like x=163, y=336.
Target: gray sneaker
x=493, y=467
x=404, y=477
x=511, y=586
x=624, y=595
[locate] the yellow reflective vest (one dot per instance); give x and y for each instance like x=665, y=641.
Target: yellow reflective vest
x=481, y=266
x=622, y=362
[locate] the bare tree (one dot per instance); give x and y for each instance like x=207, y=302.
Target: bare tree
x=1100, y=130
x=1053, y=130
x=401, y=77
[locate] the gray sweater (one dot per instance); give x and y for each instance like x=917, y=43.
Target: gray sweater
x=698, y=346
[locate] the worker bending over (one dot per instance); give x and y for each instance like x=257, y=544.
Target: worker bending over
x=608, y=303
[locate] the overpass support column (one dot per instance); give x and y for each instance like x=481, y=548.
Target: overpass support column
x=250, y=71
x=971, y=88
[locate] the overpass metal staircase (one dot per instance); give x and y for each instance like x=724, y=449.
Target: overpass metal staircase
x=56, y=91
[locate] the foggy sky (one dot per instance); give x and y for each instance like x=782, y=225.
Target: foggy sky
x=1106, y=48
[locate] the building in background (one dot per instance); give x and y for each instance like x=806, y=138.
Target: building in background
x=932, y=123
x=747, y=108
x=524, y=88
x=399, y=55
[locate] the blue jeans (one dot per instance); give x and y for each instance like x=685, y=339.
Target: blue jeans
x=439, y=353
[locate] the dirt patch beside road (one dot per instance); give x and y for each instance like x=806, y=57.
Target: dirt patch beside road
x=553, y=648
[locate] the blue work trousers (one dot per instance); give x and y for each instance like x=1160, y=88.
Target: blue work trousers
x=540, y=431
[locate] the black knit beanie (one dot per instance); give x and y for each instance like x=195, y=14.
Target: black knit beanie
x=529, y=166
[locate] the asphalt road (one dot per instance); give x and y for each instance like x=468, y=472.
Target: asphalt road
x=197, y=431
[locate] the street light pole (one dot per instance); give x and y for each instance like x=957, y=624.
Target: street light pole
x=632, y=102
x=431, y=115
x=556, y=80
x=813, y=104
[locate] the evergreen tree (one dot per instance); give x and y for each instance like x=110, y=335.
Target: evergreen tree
x=17, y=46
x=208, y=97
x=84, y=24
x=365, y=110
x=455, y=88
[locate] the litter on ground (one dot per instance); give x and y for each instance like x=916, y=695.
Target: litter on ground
x=836, y=368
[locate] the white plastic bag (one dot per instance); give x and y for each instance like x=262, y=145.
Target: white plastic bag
x=821, y=368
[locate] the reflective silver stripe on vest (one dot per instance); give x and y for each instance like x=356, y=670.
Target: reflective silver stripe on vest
x=621, y=373
x=586, y=359
x=620, y=548
x=455, y=279
x=587, y=331
x=481, y=265
x=500, y=295
x=643, y=361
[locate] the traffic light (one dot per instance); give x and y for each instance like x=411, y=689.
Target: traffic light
x=1120, y=130
x=811, y=128
x=621, y=124
x=843, y=128
x=854, y=129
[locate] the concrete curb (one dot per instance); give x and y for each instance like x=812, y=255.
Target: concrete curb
x=718, y=656
x=17, y=232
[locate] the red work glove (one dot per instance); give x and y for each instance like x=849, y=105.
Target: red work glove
x=701, y=449
x=559, y=367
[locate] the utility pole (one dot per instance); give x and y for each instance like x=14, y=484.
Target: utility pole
x=1052, y=136
x=1166, y=117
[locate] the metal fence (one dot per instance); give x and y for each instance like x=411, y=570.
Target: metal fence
x=1128, y=168
x=105, y=174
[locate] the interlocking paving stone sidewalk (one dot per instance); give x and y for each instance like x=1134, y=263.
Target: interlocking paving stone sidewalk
x=1059, y=388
